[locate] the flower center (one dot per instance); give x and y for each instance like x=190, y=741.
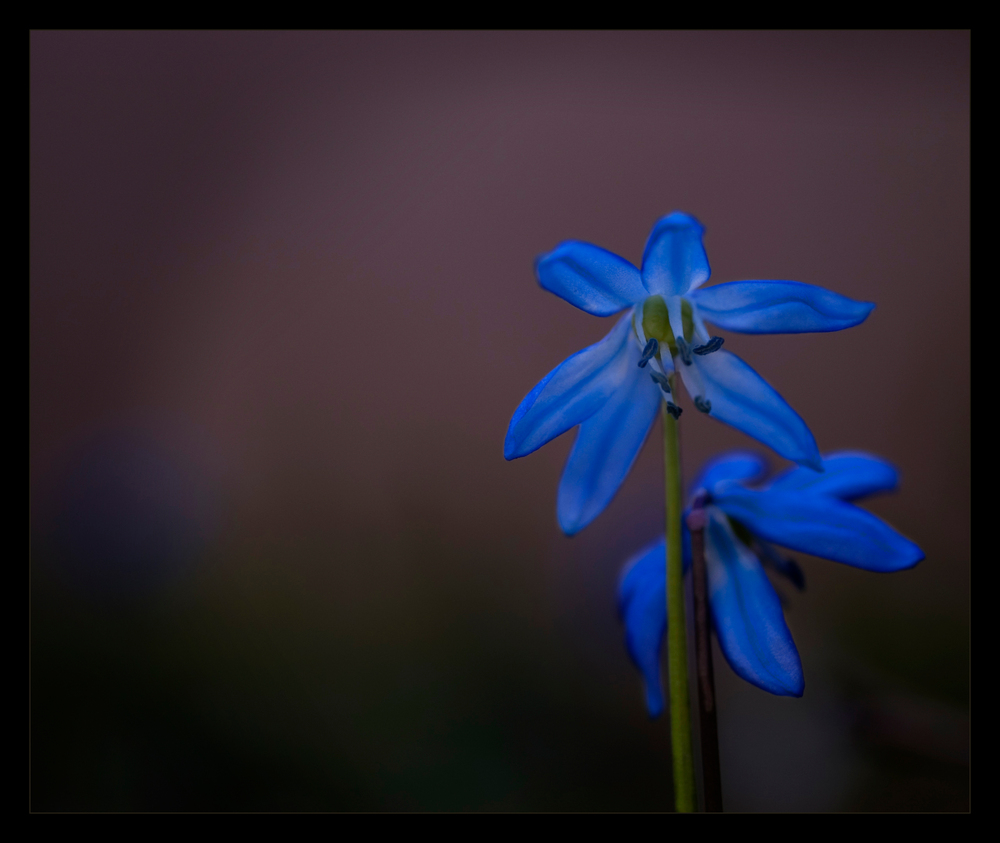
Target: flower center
x=674, y=323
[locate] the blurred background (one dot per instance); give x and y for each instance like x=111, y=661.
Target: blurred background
x=282, y=309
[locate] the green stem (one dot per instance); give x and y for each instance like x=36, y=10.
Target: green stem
x=680, y=705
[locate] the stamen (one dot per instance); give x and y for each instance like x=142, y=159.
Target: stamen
x=684, y=348
x=662, y=380
x=674, y=410
x=649, y=352
x=703, y=404
x=713, y=344
x=790, y=568
x=784, y=565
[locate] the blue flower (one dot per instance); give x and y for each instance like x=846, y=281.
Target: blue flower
x=799, y=509
x=612, y=389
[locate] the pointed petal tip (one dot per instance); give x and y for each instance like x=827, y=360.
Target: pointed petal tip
x=778, y=307
x=910, y=559
x=788, y=685
x=679, y=218
x=812, y=459
x=904, y=559
x=864, y=310
x=572, y=523
x=511, y=448
x=674, y=260
x=570, y=526
x=742, y=399
x=815, y=463
x=572, y=392
x=821, y=525
x=654, y=705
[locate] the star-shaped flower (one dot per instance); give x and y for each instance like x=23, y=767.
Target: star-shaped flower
x=800, y=510
x=613, y=388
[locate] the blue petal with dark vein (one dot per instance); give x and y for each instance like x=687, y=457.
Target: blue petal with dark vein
x=572, y=392
x=605, y=448
x=778, y=307
x=746, y=611
x=847, y=475
x=743, y=399
x=674, y=260
x=820, y=525
x=592, y=278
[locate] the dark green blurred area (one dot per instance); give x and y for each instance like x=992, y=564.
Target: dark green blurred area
x=252, y=693
x=269, y=686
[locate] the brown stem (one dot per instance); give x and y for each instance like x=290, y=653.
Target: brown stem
x=703, y=654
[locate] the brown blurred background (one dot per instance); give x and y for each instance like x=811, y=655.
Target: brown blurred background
x=282, y=308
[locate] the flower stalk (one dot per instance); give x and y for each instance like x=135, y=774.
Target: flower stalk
x=677, y=669
x=708, y=727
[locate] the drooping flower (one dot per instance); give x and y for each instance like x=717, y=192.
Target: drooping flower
x=612, y=389
x=801, y=510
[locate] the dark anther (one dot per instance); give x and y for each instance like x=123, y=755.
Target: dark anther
x=784, y=565
x=685, y=350
x=661, y=380
x=703, y=404
x=674, y=410
x=790, y=568
x=713, y=344
x=649, y=352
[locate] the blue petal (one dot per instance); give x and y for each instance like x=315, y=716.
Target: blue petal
x=572, y=392
x=674, y=260
x=742, y=398
x=822, y=526
x=642, y=605
x=847, y=475
x=747, y=614
x=590, y=277
x=605, y=448
x=732, y=465
x=778, y=307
